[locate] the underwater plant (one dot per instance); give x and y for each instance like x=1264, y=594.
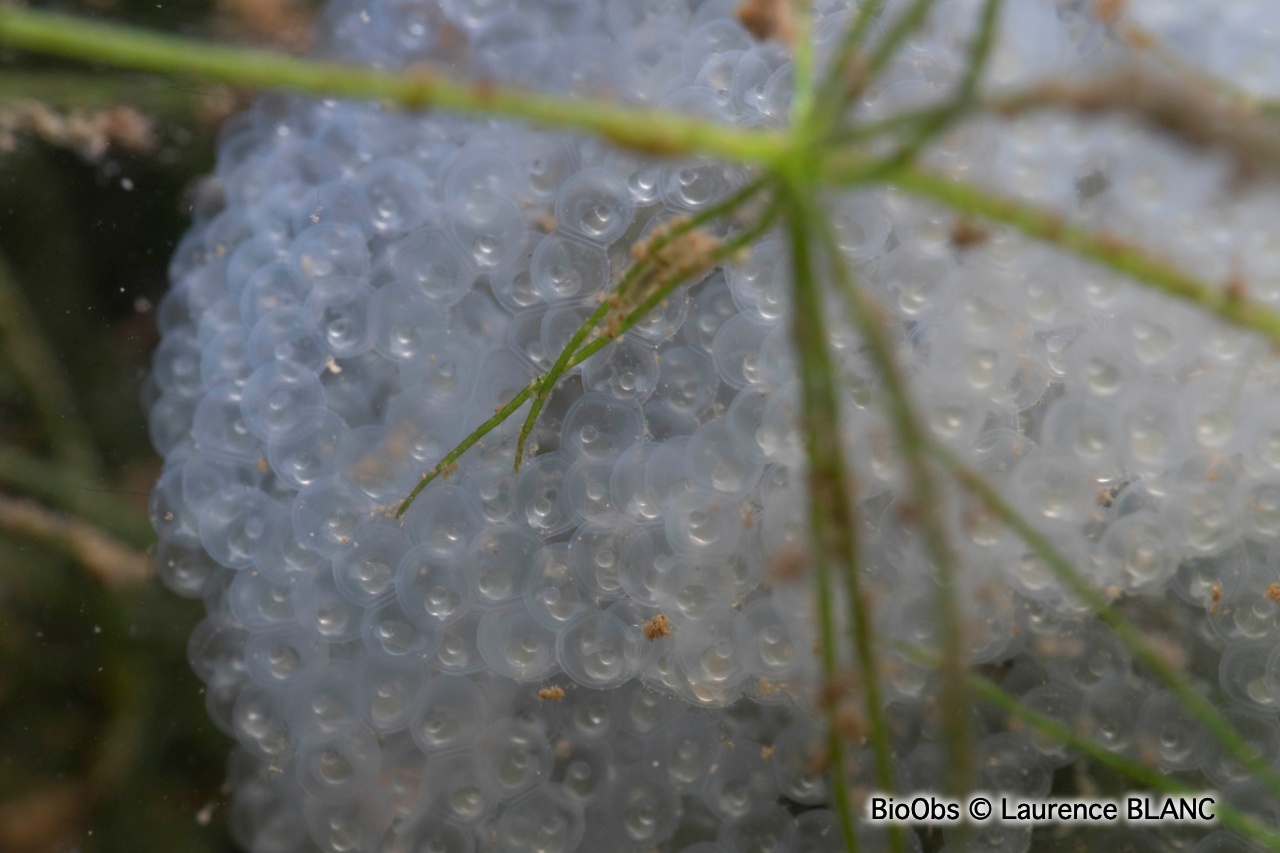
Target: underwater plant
x=663, y=425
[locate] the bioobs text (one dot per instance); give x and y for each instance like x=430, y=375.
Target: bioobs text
x=931, y=809
x=926, y=808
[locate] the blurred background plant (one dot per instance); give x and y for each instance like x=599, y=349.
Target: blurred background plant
x=104, y=741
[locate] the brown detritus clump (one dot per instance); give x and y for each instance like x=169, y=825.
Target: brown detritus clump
x=1273, y=592
x=819, y=762
x=657, y=627
x=425, y=79
x=448, y=470
x=1059, y=647
x=674, y=258
x=398, y=444
x=205, y=816
x=554, y=693
x=768, y=19
x=855, y=76
x=766, y=752
x=789, y=565
x=485, y=89
x=1115, y=244
x=1109, y=11
x=967, y=234
x=280, y=23
x=849, y=723
x=976, y=518
x=126, y=127
x=213, y=105
x=908, y=514
x=90, y=133
x=644, y=249
x=1236, y=288
x=1148, y=752
x=769, y=688
x=1172, y=653
x=1055, y=225
x=1136, y=37
x=1215, y=598
x=613, y=320
x=832, y=691
x=371, y=466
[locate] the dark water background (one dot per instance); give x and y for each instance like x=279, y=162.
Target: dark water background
x=104, y=744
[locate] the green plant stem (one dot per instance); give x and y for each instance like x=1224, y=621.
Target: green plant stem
x=852, y=135
x=1201, y=708
x=1228, y=303
x=967, y=94
x=987, y=689
x=725, y=251
x=636, y=273
x=887, y=48
x=927, y=506
x=850, y=75
x=45, y=382
x=546, y=383
x=490, y=424
x=833, y=522
x=802, y=59
x=644, y=130
x=834, y=93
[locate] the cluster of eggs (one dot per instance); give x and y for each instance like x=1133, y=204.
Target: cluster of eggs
x=612, y=648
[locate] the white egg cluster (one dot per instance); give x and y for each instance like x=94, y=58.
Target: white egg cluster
x=611, y=650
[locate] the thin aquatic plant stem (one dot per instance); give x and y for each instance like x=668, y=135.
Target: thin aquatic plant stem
x=802, y=58
x=648, y=131
x=833, y=94
x=1229, y=301
x=722, y=253
x=927, y=506
x=832, y=518
x=987, y=689
x=1200, y=707
x=634, y=274
x=938, y=122
x=887, y=48
x=833, y=485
